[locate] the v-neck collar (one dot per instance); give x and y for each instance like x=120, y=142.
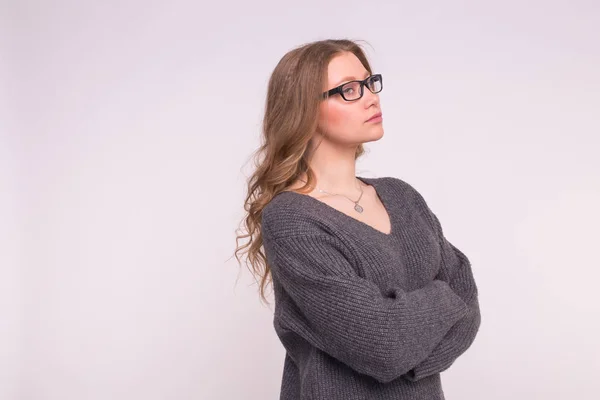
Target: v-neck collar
x=381, y=193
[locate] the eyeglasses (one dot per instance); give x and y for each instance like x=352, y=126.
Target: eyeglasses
x=354, y=90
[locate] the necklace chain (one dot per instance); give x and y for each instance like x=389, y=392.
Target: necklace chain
x=357, y=206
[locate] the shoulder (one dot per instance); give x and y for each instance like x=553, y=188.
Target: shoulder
x=402, y=189
x=407, y=195
x=290, y=214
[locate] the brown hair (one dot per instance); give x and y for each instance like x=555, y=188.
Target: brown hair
x=290, y=119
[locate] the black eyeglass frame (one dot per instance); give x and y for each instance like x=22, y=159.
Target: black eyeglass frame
x=363, y=83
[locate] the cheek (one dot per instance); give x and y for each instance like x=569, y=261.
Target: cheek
x=336, y=116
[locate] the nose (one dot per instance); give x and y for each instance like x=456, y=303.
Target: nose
x=370, y=98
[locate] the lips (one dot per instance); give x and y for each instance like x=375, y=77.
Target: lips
x=374, y=116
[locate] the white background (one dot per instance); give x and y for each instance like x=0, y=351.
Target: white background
x=126, y=133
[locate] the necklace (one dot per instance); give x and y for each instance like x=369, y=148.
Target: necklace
x=357, y=206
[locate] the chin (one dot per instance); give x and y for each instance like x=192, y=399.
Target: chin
x=376, y=134
x=373, y=137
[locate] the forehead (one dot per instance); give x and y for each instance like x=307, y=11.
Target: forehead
x=345, y=67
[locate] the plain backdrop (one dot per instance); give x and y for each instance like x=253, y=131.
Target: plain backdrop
x=127, y=129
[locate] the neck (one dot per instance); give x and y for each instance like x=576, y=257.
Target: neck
x=335, y=168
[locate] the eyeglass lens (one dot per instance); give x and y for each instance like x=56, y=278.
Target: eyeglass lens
x=352, y=90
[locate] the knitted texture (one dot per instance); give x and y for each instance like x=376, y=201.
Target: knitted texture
x=364, y=314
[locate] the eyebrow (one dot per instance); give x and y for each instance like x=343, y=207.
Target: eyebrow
x=350, y=78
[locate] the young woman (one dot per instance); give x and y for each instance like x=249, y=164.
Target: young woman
x=371, y=300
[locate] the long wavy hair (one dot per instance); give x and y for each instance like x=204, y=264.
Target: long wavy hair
x=290, y=120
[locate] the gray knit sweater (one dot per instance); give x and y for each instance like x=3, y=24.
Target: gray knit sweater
x=363, y=314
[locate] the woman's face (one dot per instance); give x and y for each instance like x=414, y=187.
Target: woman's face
x=344, y=121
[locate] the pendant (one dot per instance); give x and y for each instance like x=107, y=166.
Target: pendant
x=358, y=208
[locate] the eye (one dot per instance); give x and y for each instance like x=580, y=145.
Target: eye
x=351, y=88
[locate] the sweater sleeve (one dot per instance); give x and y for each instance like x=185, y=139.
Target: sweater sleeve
x=457, y=272
x=382, y=335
